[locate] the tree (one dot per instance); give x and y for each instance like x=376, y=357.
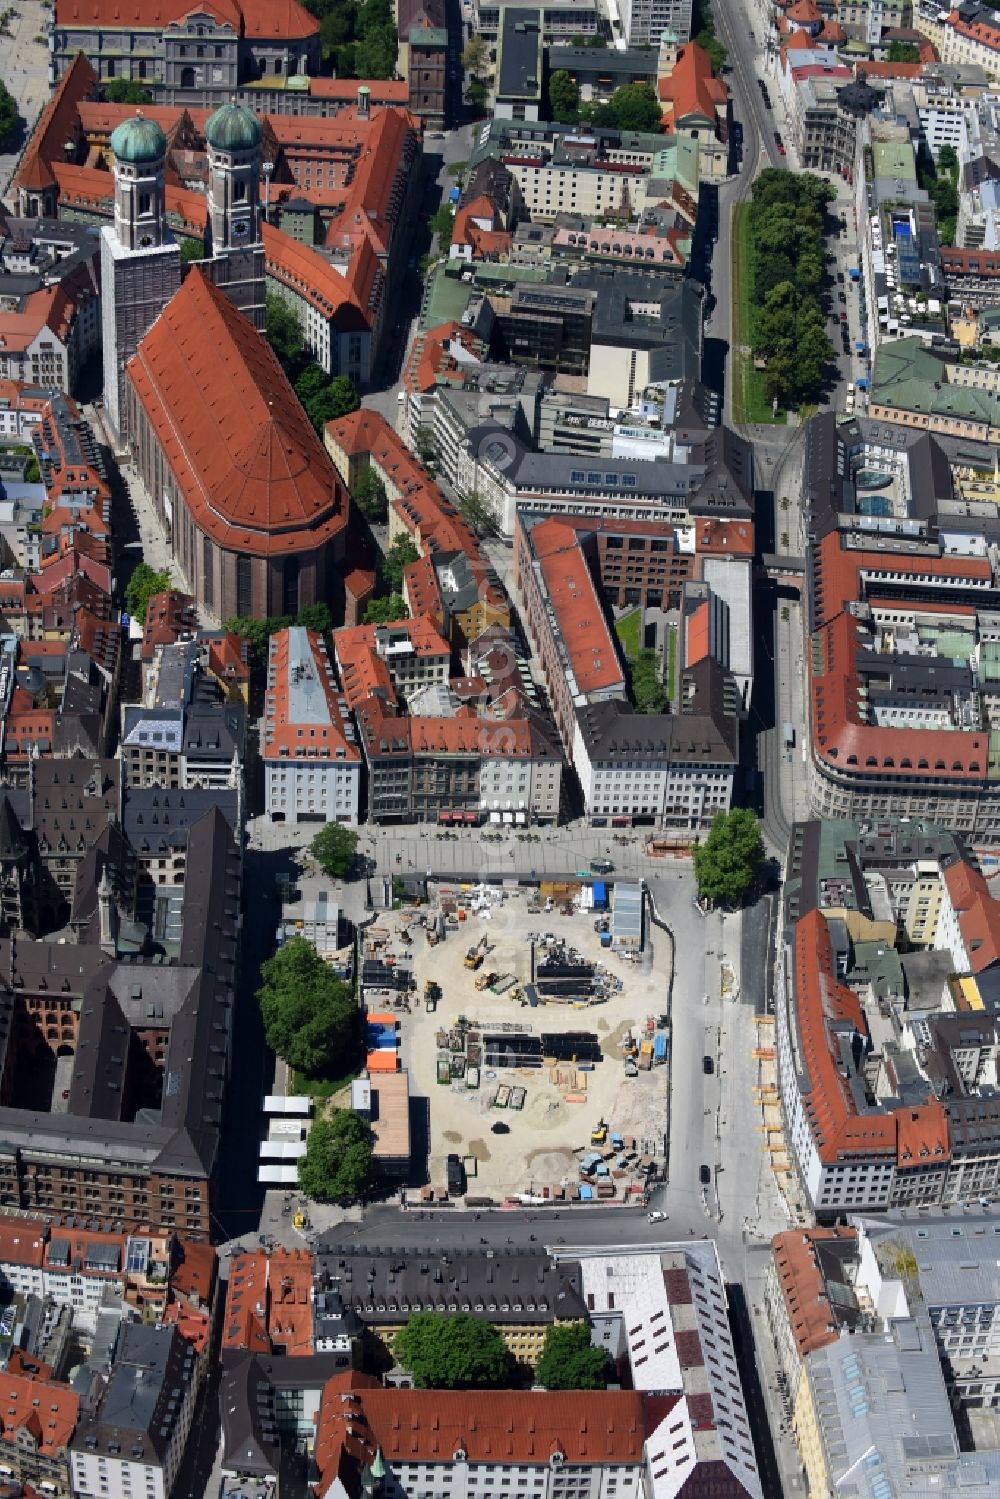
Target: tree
x=726, y=864
x=636, y=107
x=192, y=249
x=479, y=514
x=903, y=52
x=334, y=848
x=385, y=611
x=315, y=617
x=310, y=1017
x=476, y=57
x=452, y=1351
x=10, y=115
x=143, y=583
x=399, y=556
x=376, y=51
x=648, y=691
x=717, y=54
x=338, y=1157
x=284, y=332
x=344, y=396
x=257, y=632
x=564, y=98
x=369, y=495
x=569, y=1361
x=127, y=91
x=442, y=223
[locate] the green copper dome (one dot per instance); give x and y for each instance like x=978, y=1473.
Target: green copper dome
x=233, y=127
x=138, y=139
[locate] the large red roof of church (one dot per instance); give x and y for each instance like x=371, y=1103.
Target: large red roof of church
x=253, y=473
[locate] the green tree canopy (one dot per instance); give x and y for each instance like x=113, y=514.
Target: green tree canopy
x=310, y=1017
x=127, y=91
x=334, y=848
x=144, y=582
x=315, y=617
x=9, y=115
x=479, y=514
x=442, y=224
x=257, y=632
x=192, y=249
x=648, y=691
x=569, y=1361
x=452, y=1351
x=399, y=556
x=634, y=106
x=726, y=864
x=284, y=333
x=337, y=1162
x=386, y=610
x=904, y=52
x=476, y=56
x=564, y=98
x=369, y=495
x=703, y=31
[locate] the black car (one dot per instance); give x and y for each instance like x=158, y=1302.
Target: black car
x=456, y=1176
x=707, y=1065
x=705, y=1175
x=500, y=1128
x=842, y=296
x=840, y=275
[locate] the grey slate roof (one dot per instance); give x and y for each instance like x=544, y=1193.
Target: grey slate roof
x=513, y=1286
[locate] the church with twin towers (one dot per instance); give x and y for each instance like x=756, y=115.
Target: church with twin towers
x=140, y=261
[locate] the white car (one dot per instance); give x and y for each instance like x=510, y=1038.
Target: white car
x=656, y=1216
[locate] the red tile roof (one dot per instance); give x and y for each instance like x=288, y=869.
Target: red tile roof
x=269, y=1304
x=169, y=615
x=46, y=1426
x=691, y=90
x=521, y=1428
x=976, y=31
x=978, y=914
x=281, y=20
x=578, y=609
x=824, y=1006
x=55, y=126
x=251, y=469
x=803, y=1284
x=841, y=734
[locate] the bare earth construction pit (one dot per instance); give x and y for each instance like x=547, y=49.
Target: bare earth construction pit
x=572, y=1083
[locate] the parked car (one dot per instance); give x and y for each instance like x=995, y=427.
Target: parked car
x=602, y=866
x=705, y=1175
x=707, y=1065
x=656, y=1216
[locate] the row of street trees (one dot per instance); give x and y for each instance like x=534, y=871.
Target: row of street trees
x=785, y=244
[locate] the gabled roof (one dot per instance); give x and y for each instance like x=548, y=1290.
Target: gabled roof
x=55, y=126
x=253, y=473
x=978, y=914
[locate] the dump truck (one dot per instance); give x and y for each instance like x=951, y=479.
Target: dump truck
x=432, y=993
x=473, y=958
x=599, y=1133
x=485, y=980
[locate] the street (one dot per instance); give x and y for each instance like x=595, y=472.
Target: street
x=24, y=67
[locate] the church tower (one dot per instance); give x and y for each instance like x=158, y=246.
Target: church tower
x=140, y=264
x=235, y=243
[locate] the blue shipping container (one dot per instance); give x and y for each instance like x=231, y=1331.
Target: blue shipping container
x=600, y=895
x=660, y=1047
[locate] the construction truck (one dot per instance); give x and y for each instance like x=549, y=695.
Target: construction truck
x=485, y=980
x=473, y=958
x=432, y=993
x=599, y=1134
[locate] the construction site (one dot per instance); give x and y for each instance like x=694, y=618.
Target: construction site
x=536, y=1025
